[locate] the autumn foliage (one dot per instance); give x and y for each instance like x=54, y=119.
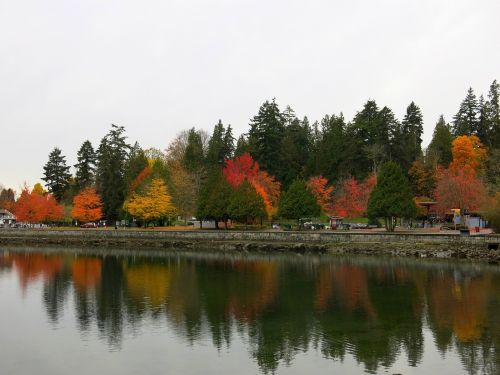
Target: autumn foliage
x=459, y=189
x=244, y=167
x=323, y=193
x=154, y=204
x=87, y=205
x=468, y=153
x=33, y=207
x=352, y=200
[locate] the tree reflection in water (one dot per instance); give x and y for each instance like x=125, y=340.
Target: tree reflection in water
x=371, y=309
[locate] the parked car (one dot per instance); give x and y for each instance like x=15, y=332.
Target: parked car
x=88, y=225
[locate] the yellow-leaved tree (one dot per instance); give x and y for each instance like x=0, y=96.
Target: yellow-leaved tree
x=154, y=204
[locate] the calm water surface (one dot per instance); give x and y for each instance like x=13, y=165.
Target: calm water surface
x=130, y=312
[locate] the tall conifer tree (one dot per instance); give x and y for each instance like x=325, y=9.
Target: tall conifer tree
x=466, y=120
x=56, y=174
x=111, y=161
x=85, y=168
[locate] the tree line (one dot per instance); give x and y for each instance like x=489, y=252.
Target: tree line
x=286, y=167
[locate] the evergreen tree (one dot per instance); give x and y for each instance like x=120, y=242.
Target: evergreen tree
x=56, y=174
x=466, y=120
x=331, y=147
x=228, y=150
x=85, y=168
x=266, y=133
x=246, y=204
x=214, y=198
x=373, y=131
x=220, y=146
x=482, y=123
x=136, y=162
x=492, y=116
x=392, y=196
x=193, y=155
x=112, y=157
x=242, y=146
x=298, y=202
x=412, y=129
x=440, y=147
x=295, y=149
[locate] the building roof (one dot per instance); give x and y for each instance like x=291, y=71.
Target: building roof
x=5, y=212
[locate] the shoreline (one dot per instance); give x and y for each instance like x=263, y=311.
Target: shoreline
x=416, y=245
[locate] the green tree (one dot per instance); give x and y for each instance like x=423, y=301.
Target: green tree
x=492, y=116
x=194, y=157
x=266, y=133
x=295, y=149
x=412, y=130
x=56, y=174
x=220, y=146
x=246, y=204
x=298, y=202
x=86, y=166
x=112, y=158
x=392, y=196
x=242, y=146
x=214, y=199
x=440, y=147
x=466, y=120
x=136, y=162
x=331, y=147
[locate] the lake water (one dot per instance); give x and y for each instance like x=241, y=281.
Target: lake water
x=140, y=312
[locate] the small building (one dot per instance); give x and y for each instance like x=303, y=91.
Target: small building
x=6, y=217
x=336, y=222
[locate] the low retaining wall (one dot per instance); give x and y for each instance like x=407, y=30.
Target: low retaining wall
x=400, y=244
x=266, y=236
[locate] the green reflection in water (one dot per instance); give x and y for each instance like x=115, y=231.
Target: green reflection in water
x=374, y=310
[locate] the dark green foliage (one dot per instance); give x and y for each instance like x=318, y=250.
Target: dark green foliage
x=266, y=133
x=56, y=174
x=491, y=113
x=370, y=137
x=136, y=162
x=193, y=155
x=411, y=135
x=112, y=158
x=440, y=147
x=492, y=170
x=86, y=166
x=298, y=202
x=295, y=149
x=242, y=146
x=246, y=204
x=214, y=199
x=331, y=147
x=392, y=196
x=466, y=120
x=220, y=146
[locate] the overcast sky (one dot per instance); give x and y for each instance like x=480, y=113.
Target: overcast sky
x=70, y=68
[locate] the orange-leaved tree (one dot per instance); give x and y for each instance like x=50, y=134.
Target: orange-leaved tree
x=353, y=198
x=33, y=207
x=87, y=205
x=322, y=191
x=154, y=204
x=244, y=167
x=459, y=189
x=468, y=152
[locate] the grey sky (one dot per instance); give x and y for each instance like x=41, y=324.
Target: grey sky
x=70, y=68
